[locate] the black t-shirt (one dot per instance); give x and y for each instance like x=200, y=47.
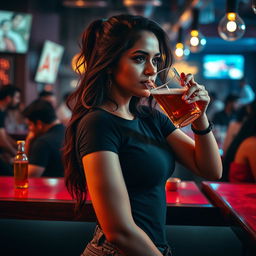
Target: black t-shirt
x=46, y=151
x=146, y=160
x=2, y=118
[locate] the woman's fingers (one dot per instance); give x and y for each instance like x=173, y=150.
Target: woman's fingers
x=189, y=79
x=194, y=90
x=205, y=98
x=199, y=93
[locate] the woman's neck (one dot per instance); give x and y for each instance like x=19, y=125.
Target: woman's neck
x=118, y=110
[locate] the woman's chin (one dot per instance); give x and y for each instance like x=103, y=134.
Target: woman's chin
x=145, y=93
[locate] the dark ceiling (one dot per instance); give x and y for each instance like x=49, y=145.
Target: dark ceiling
x=171, y=14
x=169, y=11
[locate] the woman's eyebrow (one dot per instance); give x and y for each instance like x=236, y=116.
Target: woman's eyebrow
x=145, y=53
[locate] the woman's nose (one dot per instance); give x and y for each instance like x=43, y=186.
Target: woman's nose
x=150, y=69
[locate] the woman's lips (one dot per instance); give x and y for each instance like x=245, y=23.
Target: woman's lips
x=148, y=84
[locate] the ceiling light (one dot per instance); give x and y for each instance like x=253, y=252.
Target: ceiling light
x=142, y=7
x=254, y=6
x=78, y=64
x=231, y=26
x=181, y=50
x=195, y=40
x=84, y=3
x=142, y=2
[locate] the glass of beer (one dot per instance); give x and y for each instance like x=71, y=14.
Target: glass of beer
x=168, y=90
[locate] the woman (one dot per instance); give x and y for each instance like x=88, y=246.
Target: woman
x=123, y=153
x=234, y=127
x=239, y=161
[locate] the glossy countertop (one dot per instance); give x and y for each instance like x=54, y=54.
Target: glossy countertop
x=51, y=199
x=39, y=189
x=237, y=200
x=54, y=189
x=187, y=193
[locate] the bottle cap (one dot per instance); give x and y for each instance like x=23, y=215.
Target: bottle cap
x=20, y=141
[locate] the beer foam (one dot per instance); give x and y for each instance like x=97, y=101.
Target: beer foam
x=168, y=91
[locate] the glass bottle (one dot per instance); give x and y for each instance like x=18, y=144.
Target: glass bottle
x=21, y=166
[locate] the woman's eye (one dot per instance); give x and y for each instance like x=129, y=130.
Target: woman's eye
x=139, y=58
x=157, y=60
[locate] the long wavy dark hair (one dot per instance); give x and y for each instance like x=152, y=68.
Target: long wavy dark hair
x=247, y=130
x=102, y=45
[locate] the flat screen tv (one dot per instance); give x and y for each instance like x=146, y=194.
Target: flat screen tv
x=49, y=63
x=14, y=31
x=223, y=66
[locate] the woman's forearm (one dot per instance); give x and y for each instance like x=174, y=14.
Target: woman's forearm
x=207, y=155
x=135, y=243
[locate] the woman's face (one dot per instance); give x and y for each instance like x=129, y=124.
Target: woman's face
x=137, y=66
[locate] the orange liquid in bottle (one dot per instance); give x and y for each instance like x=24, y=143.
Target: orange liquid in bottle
x=21, y=174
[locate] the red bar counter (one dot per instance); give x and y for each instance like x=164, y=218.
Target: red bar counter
x=238, y=205
x=48, y=199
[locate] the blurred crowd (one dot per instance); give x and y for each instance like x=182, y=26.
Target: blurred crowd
x=42, y=124
x=235, y=131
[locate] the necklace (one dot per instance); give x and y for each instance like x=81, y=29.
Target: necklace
x=128, y=116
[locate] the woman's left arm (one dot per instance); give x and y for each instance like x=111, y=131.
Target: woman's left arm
x=202, y=154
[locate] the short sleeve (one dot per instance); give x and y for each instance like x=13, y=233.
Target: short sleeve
x=166, y=126
x=96, y=132
x=39, y=153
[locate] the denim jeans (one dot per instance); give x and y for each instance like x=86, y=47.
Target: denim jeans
x=99, y=246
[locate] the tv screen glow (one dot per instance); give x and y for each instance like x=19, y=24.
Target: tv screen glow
x=223, y=66
x=49, y=63
x=14, y=31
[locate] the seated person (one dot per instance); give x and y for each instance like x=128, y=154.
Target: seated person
x=14, y=121
x=243, y=168
x=63, y=112
x=9, y=97
x=228, y=113
x=239, y=163
x=44, y=140
x=214, y=106
x=48, y=96
x=246, y=94
x=234, y=127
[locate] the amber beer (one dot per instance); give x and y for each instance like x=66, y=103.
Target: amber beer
x=21, y=174
x=180, y=112
x=21, y=167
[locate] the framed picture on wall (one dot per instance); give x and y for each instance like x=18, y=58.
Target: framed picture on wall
x=7, y=69
x=49, y=63
x=14, y=31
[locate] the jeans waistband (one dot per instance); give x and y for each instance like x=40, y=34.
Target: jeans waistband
x=100, y=239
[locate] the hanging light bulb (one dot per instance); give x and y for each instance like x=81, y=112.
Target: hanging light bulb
x=84, y=3
x=231, y=26
x=195, y=40
x=181, y=50
x=254, y=6
x=77, y=64
x=142, y=7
